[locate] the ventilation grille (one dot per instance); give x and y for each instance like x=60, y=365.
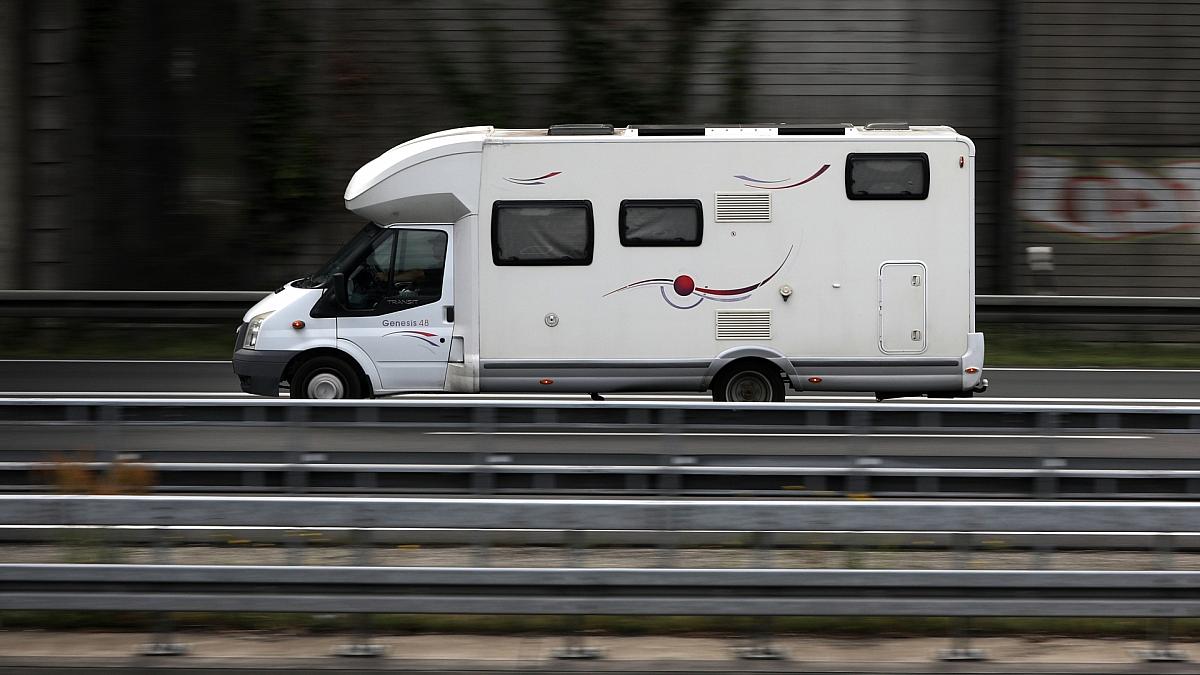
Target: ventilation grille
x=743, y=207
x=743, y=324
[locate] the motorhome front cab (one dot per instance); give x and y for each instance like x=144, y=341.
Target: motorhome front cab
x=741, y=261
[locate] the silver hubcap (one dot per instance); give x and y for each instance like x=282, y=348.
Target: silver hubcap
x=326, y=385
x=748, y=387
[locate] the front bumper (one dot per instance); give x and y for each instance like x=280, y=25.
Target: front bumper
x=260, y=371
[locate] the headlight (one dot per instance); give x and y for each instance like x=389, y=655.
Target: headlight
x=253, y=330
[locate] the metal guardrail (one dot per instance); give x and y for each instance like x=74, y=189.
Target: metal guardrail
x=508, y=473
x=601, y=514
x=191, y=306
x=1093, y=309
x=674, y=417
x=699, y=592
x=228, y=306
x=755, y=589
x=428, y=446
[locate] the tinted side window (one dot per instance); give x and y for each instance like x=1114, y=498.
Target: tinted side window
x=542, y=233
x=661, y=222
x=418, y=270
x=887, y=175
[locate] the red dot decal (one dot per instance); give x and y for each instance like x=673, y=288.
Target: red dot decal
x=684, y=285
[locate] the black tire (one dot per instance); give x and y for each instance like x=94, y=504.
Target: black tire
x=751, y=383
x=325, y=377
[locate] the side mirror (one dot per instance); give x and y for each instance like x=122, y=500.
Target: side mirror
x=338, y=283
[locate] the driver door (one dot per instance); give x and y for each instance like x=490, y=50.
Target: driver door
x=405, y=288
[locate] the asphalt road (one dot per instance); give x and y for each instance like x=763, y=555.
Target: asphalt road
x=204, y=378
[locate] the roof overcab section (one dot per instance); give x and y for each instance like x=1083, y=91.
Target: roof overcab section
x=434, y=178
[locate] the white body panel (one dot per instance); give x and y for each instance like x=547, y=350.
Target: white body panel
x=848, y=323
x=836, y=247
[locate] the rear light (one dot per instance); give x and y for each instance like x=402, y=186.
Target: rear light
x=972, y=370
x=815, y=380
x=546, y=381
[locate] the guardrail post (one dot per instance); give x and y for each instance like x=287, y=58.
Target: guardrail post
x=294, y=546
x=364, y=645
x=481, y=553
x=573, y=644
x=108, y=445
x=960, y=640
x=1161, y=651
x=1160, y=629
x=960, y=645
x=162, y=642
x=483, y=423
x=670, y=421
x=858, y=482
x=761, y=645
x=297, y=475
x=1046, y=483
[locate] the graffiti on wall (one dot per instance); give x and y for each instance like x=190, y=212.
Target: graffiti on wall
x=1109, y=199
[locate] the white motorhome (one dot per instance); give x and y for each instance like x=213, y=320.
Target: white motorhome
x=582, y=258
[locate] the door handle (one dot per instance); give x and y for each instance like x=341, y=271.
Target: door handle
x=449, y=313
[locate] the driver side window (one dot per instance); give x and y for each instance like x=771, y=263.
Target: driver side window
x=420, y=263
x=367, y=284
x=401, y=270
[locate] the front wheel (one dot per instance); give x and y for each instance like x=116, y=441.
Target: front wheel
x=325, y=377
x=749, y=384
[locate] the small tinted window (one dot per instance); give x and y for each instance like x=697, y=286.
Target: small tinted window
x=661, y=222
x=887, y=175
x=542, y=233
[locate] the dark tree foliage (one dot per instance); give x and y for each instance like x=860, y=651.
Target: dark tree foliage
x=610, y=75
x=283, y=154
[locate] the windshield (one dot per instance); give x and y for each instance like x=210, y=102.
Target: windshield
x=343, y=257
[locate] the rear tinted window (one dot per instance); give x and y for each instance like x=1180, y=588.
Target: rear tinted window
x=887, y=175
x=542, y=233
x=661, y=222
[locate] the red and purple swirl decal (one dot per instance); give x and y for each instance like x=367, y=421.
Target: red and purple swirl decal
x=536, y=180
x=421, y=335
x=774, y=184
x=685, y=286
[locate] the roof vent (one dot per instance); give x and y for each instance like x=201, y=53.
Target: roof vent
x=888, y=126
x=813, y=130
x=580, y=130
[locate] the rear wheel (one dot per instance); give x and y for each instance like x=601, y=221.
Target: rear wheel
x=756, y=383
x=325, y=377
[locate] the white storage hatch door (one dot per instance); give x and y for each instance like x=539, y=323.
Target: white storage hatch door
x=902, y=307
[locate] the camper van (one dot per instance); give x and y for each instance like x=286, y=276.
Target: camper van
x=742, y=261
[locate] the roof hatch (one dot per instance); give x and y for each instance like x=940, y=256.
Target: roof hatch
x=580, y=130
